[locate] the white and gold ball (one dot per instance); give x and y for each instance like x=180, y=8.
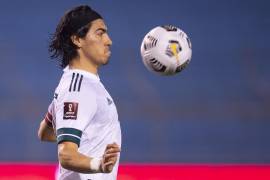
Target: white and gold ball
x=166, y=50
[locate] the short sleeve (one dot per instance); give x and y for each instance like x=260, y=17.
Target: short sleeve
x=48, y=117
x=74, y=111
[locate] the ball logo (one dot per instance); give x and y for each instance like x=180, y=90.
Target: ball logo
x=70, y=110
x=173, y=49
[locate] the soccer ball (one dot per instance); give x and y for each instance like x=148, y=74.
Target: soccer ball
x=166, y=50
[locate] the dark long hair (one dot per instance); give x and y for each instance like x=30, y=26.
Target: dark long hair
x=61, y=46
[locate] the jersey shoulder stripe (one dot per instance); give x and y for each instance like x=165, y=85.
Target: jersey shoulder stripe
x=76, y=81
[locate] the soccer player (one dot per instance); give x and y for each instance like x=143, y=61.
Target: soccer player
x=82, y=118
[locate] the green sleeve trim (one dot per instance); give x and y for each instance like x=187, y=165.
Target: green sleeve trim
x=62, y=138
x=72, y=131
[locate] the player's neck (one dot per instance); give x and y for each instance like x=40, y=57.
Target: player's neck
x=79, y=63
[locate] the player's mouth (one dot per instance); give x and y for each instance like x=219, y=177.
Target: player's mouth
x=108, y=52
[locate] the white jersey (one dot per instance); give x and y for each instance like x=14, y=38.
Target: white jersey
x=83, y=112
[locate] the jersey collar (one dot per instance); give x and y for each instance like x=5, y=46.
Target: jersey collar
x=85, y=73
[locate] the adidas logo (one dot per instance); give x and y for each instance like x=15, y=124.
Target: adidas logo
x=109, y=101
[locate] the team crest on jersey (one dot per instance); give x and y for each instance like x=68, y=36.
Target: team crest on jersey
x=70, y=110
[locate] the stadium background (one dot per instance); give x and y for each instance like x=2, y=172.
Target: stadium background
x=215, y=112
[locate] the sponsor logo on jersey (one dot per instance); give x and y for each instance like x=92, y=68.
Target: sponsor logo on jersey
x=70, y=110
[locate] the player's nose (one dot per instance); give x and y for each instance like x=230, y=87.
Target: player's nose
x=108, y=41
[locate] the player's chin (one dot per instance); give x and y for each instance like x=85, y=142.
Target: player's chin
x=105, y=60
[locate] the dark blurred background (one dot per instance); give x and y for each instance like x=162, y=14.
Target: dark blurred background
x=215, y=111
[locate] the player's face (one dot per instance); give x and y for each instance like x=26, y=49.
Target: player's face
x=96, y=44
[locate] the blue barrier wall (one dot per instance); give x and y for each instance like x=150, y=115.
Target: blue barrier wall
x=216, y=110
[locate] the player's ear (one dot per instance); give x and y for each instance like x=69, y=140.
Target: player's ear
x=76, y=40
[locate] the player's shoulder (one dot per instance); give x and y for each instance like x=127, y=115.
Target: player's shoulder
x=77, y=82
x=74, y=81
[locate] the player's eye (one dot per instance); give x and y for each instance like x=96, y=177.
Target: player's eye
x=100, y=32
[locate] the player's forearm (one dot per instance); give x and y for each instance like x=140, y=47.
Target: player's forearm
x=49, y=138
x=46, y=133
x=76, y=161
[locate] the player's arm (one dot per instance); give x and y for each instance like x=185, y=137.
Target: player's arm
x=46, y=132
x=71, y=159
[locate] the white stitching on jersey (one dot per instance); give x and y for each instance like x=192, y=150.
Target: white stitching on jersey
x=68, y=135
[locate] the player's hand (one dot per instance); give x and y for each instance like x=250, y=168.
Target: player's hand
x=109, y=158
